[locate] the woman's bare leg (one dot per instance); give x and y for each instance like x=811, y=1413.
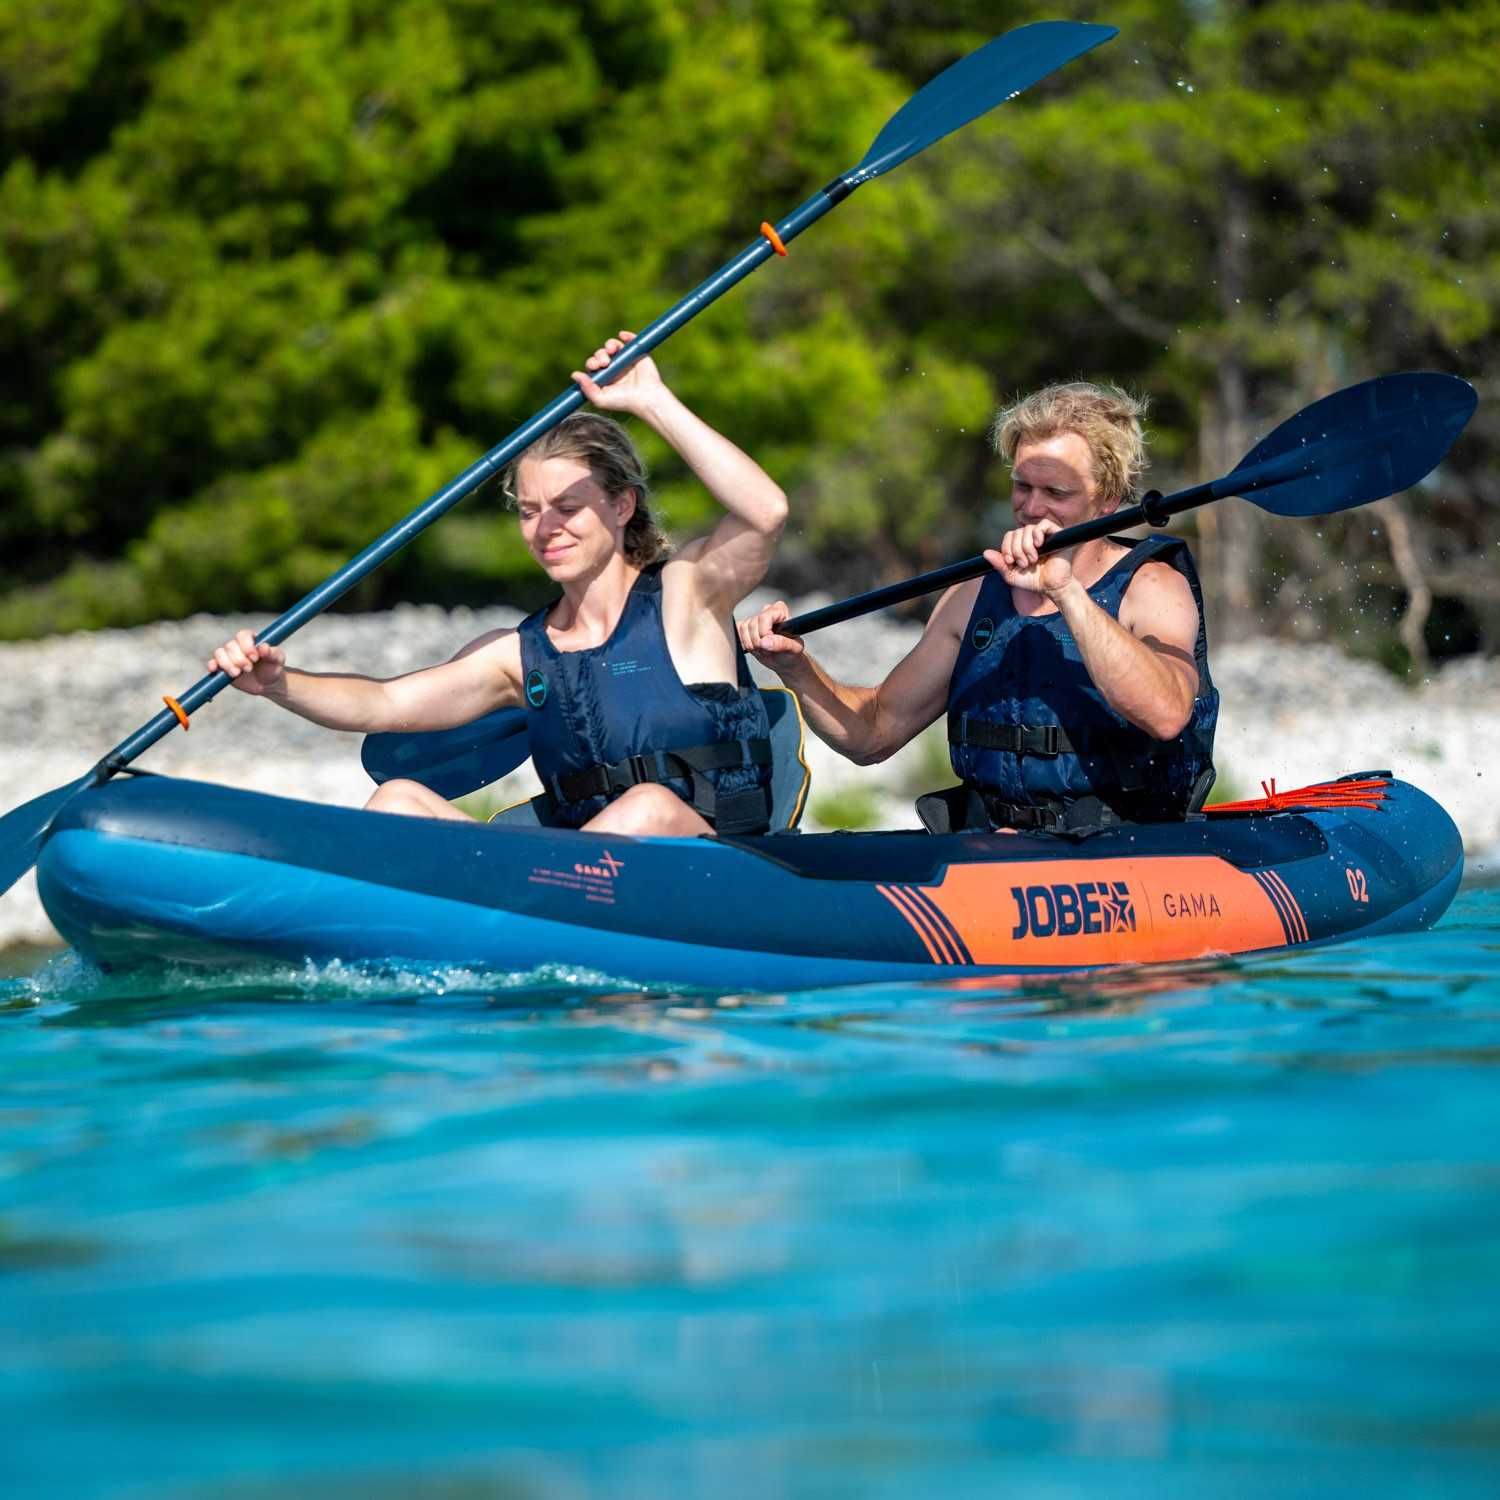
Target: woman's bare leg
x=413, y=800
x=646, y=811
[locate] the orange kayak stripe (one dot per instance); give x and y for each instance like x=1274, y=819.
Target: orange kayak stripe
x=1276, y=900
x=890, y=895
x=934, y=924
x=1289, y=901
x=954, y=942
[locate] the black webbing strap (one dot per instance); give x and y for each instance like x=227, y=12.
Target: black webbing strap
x=968, y=809
x=1016, y=739
x=1019, y=738
x=728, y=814
x=1048, y=740
x=1086, y=815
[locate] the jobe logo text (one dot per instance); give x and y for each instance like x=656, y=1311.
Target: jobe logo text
x=1091, y=906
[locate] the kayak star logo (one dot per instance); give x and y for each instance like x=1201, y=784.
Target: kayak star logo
x=607, y=868
x=1090, y=907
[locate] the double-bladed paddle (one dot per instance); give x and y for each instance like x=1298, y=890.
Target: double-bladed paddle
x=1360, y=444
x=998, y=71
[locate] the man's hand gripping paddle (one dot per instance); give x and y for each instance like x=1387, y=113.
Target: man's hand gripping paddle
x=1360, y=444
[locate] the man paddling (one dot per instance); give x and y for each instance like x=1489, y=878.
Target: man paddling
x=1076, y=685
x=641, y=716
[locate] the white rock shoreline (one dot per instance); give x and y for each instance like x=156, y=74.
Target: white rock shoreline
x=1295, y=713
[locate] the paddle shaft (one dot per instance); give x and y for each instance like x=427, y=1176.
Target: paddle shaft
x=483, y=469
x=1154, y=509
x=1348, y=448
x=509, y=726
x=997, y=72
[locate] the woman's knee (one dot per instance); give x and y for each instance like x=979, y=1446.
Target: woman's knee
x=407, y=797
x=646, y=809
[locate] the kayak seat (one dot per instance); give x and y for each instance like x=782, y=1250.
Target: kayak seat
x=790, y=777
x=789, y=773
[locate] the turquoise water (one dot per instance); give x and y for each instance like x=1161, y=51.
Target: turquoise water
x=1226, y=1230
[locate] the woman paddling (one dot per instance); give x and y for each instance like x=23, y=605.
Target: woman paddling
x=641, y=715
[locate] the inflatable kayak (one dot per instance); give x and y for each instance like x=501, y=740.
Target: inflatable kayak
x=149, y=868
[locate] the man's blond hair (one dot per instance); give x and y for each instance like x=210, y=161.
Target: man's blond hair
x=1105, y=417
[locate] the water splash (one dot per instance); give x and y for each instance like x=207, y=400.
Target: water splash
x=71, y=979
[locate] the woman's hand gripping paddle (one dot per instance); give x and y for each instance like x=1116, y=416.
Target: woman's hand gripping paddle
x=998, y=71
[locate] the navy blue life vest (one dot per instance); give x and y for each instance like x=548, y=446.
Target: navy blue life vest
x=610, y=717
x=1028, y=729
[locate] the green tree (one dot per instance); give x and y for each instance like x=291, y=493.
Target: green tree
x=1242, y=207
x=271, y=272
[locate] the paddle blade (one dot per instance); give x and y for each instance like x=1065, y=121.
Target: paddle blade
x=974, y=85
x=1360, y=444
x=452, y=762
x=23, y=829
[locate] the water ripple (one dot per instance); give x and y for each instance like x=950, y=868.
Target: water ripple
x=1224, y=1228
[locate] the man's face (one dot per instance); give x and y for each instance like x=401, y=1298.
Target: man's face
x=1053, y=479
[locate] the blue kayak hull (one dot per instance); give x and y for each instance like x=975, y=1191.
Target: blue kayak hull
x=151, y=869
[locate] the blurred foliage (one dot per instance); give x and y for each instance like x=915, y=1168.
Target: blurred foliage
x=931, y=768
x=271, y=273
x=852, y=807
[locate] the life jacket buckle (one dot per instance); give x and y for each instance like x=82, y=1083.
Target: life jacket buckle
x=1038, y=819
x=1040, y=739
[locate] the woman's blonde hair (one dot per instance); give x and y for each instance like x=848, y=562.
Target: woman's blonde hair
x=1105, y=417
x=617, y=466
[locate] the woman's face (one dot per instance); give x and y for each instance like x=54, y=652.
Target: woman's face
x=570, y=525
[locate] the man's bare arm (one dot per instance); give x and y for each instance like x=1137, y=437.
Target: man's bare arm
x=867, y=724
x=1143, y=662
